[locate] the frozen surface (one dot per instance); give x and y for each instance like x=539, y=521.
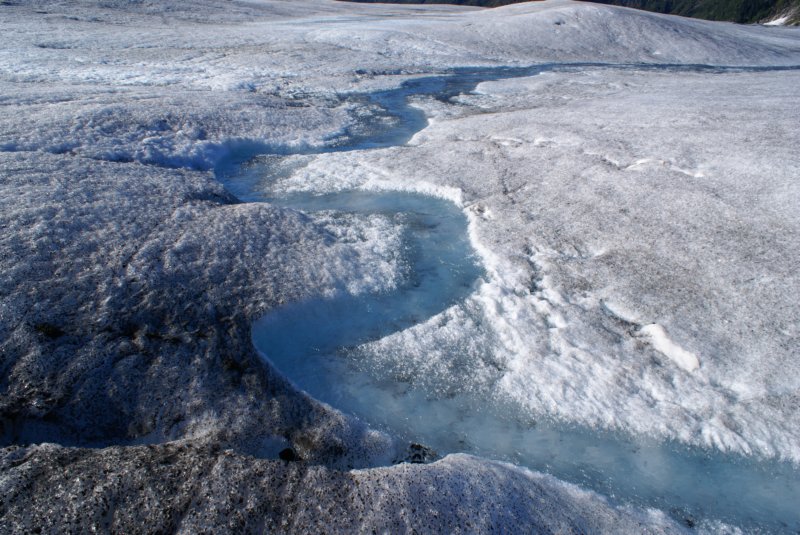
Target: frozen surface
x=191, y=487
x=449, y=393
x=625, y=220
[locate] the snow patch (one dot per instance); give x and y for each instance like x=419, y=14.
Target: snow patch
x=643, y=163
x=659, y=339
x=619, y=312
x=780, y=21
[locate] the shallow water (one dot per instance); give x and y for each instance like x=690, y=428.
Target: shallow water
x=316, y=344
x=441, y=266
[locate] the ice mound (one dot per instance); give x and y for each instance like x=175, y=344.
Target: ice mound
x=167, y=271
x=565, y=31
x=183, y=488
x=178, y=129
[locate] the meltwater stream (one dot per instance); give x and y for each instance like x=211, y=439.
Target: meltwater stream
x=316, y=344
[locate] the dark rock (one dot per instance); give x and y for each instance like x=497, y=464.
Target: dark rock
x=288, y=454
x=49, y=330
x=418, y=454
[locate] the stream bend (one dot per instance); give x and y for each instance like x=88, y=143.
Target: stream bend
x=315, y=344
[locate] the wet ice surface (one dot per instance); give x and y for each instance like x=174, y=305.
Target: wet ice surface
x=332, y=348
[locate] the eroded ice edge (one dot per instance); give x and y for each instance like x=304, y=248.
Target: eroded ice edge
x=323, y=345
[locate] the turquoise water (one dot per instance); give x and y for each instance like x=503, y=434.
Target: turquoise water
x=442, y=270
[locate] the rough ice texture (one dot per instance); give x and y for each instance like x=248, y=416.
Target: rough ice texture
x=127, y=286
x=121, y=126
x=186, y=488
x=128, y=292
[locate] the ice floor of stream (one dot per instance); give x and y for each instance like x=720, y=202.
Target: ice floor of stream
x=316, y=344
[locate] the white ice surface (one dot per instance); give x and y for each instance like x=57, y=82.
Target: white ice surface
x=600, y=201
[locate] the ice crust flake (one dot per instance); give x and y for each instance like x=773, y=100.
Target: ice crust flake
x=658, y=337
x=130, y=276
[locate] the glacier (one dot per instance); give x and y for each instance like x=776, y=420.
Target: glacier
x=626, y=182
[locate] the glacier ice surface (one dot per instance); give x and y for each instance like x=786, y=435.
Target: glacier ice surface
x=600, y=201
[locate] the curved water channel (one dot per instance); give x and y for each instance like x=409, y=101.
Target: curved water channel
x=315, y=342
